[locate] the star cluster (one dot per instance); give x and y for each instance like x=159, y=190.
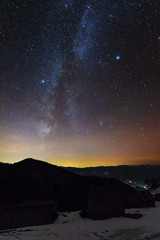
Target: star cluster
x=80, y=81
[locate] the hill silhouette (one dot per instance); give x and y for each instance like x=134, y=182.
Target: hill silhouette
x=34, y=180
x=133, y=174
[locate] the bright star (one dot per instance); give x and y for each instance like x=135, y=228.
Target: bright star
x=118, y=57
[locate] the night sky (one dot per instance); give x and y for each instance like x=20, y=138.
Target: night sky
x=80, y=81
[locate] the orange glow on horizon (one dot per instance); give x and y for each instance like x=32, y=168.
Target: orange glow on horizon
x=129, y=148
x=92, y=161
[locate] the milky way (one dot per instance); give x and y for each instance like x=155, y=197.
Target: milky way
x=80, y=81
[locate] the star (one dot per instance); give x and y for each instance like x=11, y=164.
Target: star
x=118, y=57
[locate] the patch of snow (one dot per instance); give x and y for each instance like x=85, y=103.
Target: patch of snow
x=72, y=226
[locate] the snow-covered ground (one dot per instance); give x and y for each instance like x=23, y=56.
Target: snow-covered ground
x=70, y=226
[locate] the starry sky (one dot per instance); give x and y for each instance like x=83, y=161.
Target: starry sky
x=80, y=81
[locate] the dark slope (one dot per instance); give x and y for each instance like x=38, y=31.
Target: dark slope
x=36, y=180
x=32, y=179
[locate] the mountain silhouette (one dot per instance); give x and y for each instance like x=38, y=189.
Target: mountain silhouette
x=34, y=180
